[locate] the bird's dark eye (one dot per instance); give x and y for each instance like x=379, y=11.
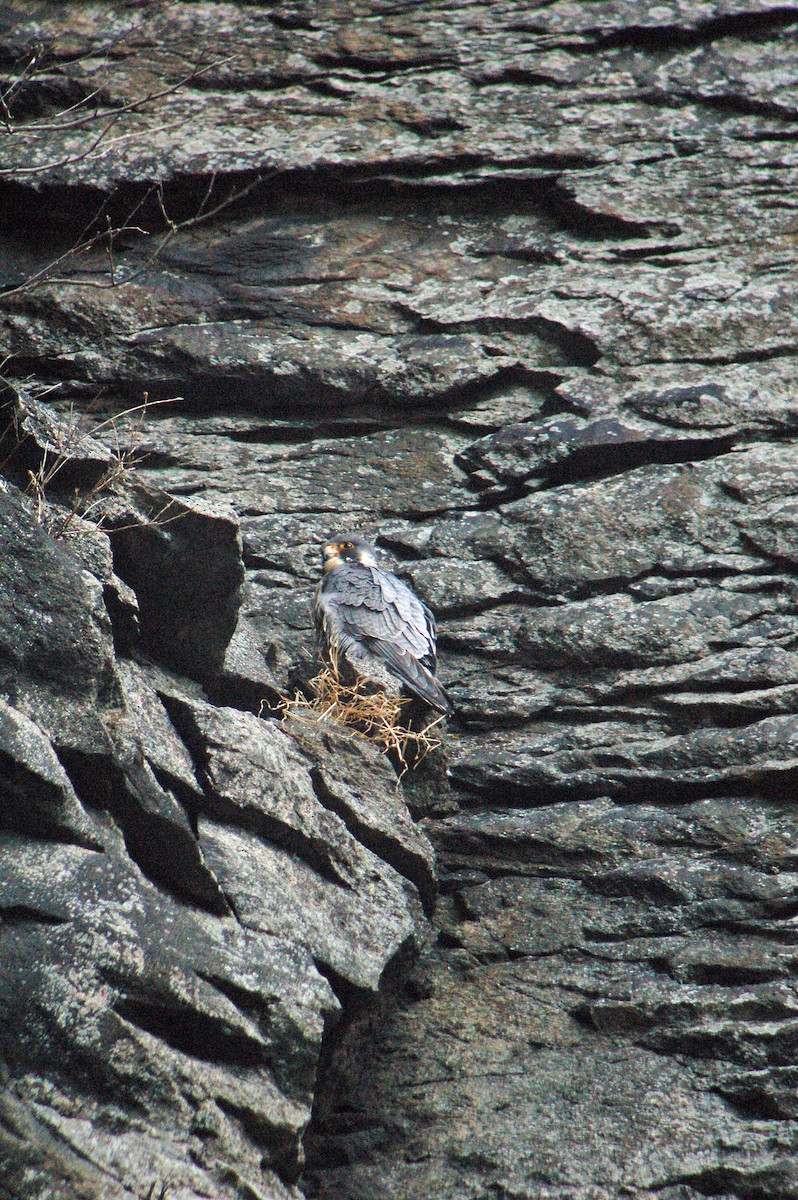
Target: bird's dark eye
x=348, y=546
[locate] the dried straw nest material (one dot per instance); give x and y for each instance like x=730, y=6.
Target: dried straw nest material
x=372, y=714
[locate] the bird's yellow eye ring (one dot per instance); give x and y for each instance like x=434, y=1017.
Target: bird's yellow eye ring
x=347, y=545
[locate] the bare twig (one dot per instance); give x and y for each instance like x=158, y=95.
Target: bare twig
x=85, y=504
x=117, y=278
x=8, y=95
x=132, y=106
x=69, y=160
x=80, y=247
x=41, y=126
x=163, y=1190
x=101, y=143
x=102, y=139
x=28, y=71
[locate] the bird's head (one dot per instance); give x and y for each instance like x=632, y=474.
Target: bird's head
x=347, y=547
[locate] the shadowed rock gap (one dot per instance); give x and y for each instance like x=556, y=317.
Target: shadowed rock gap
x=739, y=24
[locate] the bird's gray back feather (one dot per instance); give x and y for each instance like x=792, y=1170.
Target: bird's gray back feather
x=377, y=622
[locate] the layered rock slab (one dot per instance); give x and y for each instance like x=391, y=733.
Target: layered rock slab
x=610, y=1010
x=184, y=890
x=187, y=1034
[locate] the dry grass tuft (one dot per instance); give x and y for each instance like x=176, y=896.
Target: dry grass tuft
x=60, y=441
x=375, y=715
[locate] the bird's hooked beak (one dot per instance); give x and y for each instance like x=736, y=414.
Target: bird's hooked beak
x=346, y=551
x=331, y=555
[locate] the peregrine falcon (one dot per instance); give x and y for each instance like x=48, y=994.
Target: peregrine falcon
x=375, y=623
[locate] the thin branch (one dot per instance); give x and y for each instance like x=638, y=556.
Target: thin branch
x=232, y=198
x=117, y=280
x=80, y=247
x=128, y=412
x=98, y=91
x=111, y=232
x=131, y=106
x=167, y=127
x=64, y=162
x=101, y=137
x=207, y=196
x=103, y=51
x=99, y=146
x=6, y=97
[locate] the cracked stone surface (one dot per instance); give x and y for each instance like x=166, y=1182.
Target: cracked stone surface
x=509, y=287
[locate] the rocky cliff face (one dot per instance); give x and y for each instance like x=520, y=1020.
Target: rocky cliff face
x=511, y=287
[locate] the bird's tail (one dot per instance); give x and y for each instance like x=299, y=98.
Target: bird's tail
x=415, y=676
x=434, y=694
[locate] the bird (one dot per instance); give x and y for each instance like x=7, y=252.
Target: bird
x=375, y=623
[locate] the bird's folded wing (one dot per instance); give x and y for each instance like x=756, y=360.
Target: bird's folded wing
x=374, y=612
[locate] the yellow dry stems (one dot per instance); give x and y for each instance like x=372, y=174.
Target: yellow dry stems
x=375, y=715
x=82, y=504
x=74, y=435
